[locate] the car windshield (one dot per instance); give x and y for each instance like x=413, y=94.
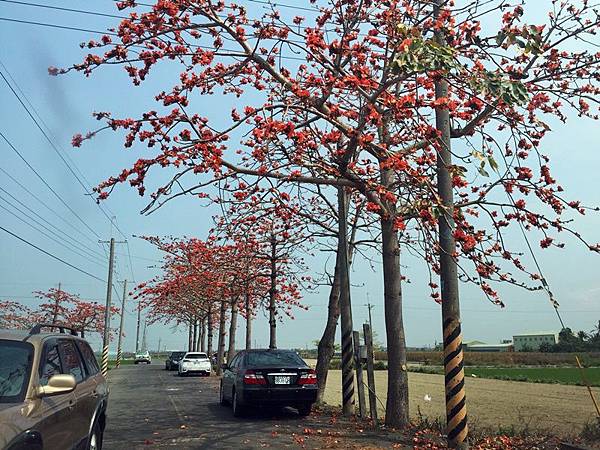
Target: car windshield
x=16, y=358
x=196, y=356
x=272, y=358
x=177, y=355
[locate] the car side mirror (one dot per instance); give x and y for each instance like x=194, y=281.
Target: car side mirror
x=57, y=384
x=224, y=367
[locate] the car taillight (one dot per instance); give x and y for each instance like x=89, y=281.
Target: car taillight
x=309, y=377
x=252, y=378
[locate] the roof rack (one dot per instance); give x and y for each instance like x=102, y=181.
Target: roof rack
x=61, y=328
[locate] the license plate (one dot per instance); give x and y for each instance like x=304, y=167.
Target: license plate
x=279, y=379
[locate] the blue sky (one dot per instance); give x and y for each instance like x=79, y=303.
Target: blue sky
x=65, y=103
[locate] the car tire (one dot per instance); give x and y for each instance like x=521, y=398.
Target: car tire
x=222, y=400
x=304, y=410
x=95, y=439
x=238, y=410
x=135, y=362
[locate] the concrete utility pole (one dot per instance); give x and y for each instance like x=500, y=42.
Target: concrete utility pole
x=137, y=332
x=456, y=411
x=106, y=338
x=119, y=348
x=56, y=302
x=369, y=307
x=345, y=308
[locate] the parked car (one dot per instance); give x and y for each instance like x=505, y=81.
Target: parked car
x=194, y=362
x=172, y=362
x=142, y=358
x=268, y=378
x=52, y=393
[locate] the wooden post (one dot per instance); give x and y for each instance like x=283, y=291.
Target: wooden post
x=370, y=372
x=362, y=410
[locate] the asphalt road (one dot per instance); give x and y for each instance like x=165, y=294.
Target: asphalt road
x=152, y=408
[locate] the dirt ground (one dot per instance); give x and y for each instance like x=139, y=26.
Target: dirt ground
x=492, y=403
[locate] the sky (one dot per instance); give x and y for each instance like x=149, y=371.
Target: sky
x=65, y=104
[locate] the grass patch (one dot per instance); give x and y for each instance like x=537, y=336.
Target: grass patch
x=557, y=375
x=113, y=362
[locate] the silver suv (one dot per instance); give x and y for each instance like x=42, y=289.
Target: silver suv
x=52, y=394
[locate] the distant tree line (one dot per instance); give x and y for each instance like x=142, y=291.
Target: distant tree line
x=568, y=341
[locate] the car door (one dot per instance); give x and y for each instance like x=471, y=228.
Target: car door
x=84, y=391
x=56, y=412
x=229, y=377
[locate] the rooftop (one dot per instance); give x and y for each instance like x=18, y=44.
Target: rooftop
x=537, y=333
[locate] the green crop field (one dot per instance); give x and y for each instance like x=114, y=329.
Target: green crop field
x=562, y=375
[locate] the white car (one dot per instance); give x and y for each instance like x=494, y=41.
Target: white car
x=194, y=362
x=142, y=358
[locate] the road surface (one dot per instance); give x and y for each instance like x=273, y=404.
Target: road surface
x=152, y=408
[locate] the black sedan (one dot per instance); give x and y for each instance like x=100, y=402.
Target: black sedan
x=172, y=363
x=276, y=378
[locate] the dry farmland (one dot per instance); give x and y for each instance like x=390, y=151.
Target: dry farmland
x=492, y=403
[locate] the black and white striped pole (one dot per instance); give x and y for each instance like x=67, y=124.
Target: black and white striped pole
x=345, y=307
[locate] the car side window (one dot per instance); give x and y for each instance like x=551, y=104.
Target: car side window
x=51, y=365
x=89, y=358
x=71, y=361
x=237, y=359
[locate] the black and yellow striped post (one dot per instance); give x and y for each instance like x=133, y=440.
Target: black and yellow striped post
x=104, y=362
x=456, y=410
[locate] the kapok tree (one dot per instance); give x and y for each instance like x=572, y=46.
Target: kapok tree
x=359, y=112
x=265, y=226
x=15, y=316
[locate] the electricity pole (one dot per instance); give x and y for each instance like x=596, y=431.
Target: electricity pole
x=345, y=307
x=109, y=287
x=106, y=338
x=456, y=411
x=137, y=333
x=370, y=307
x=56, y=303
x=119, y=348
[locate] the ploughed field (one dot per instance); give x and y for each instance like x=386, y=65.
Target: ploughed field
x=491, y=403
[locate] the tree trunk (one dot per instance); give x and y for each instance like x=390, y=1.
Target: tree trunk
x=203, y=335
x=232, y=330
x=200, y=341
x=209, y=331
x=326, y=347
x=248, y=323
x=195, y=336
x=272, y=293
x=397, y=397
x=190, y=336
x=222, y=334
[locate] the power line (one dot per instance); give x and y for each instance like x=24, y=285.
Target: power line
x=48, y=186
x=45, y=234
x=60, y=8
x=51, y=255
x=110, y=33
x=91, y=252
x=60, y=240
x=45, y=205
x=54, y=147
x=41, y=119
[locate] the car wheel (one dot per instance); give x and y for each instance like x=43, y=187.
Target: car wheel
x=222, y=400
x=238, y=410
x=95, y=439
x=304, y=410
x=135, y=362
